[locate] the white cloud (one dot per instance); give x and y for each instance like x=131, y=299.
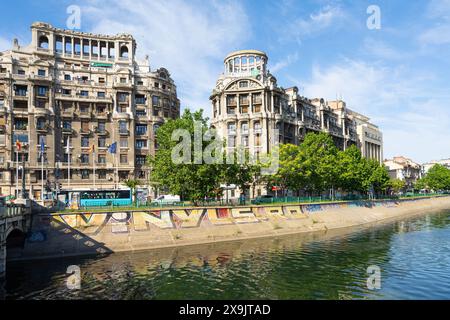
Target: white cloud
x=412, y=115
x=380, y=49
x=190, y=38
x=438, y=11
x=316, y=23
x=285, y=62
x=437, y=35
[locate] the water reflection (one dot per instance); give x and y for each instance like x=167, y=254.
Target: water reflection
x=412, y=254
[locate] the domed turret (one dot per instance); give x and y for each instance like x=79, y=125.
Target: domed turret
x=246, y=63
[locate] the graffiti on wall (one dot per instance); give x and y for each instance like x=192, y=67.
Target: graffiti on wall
x=142, y=221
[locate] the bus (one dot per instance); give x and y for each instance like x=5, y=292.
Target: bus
x=96, y=198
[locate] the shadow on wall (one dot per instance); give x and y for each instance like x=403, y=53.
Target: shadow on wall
x=50, y=237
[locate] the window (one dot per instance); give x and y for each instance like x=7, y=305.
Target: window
x=123, y=127
x=123, y=159
x=101, y=127
x=21, y=72
x=85, y=126
x=21, y=91
x=123, y=97
x=244, y=128
x=141, y=160
x=41, y=73
x=66, y=92
x=140, y=99
x=102, y=175
x=101, y=159
x=101, y=95
x=141, y=113
x=101, y=80
x=155, y=100
x=245, y=141
x=231, y=141
x=124, y=142
x=67, y=125
x=40, y=124
x=42, y=91
x=141, y=129
x=84, y=93
x=101, y=142
x=20, y=124
x=84, y=174
x=67, y=77
x=232, y=128
x=85, y=158
x=84, y=142
x=141, y=144
x=243, y=84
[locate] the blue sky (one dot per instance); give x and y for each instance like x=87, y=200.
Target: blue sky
x=397, y=75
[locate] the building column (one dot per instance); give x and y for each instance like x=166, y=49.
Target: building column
x=73, y=46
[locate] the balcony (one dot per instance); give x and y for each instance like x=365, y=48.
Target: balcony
x=85, y=114
x=67, y=131
x=101, y=132
x=43, y=128
x=85, y=132
x=41, y=78
x=124, y=132
x=23, y=96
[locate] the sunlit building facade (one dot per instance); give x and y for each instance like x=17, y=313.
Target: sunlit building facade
x=84, y=91
x=252, y=111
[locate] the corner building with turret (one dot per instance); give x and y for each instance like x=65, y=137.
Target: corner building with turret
x=250, y=110
x=82, y=90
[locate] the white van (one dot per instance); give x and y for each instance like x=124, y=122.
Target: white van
x=167, y=199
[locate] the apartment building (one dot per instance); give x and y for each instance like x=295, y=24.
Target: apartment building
x=404, y=169
x=251, y=110
x=427, y=166
x=84, y=91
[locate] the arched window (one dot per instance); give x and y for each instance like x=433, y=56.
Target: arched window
x=43, y=42
x=163, y=75
x=124, y=52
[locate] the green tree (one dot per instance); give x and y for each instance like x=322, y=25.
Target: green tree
x=132, y=184
x=438, y=178
x=351, y=169
x=376, y=177
x=318, y=160
x=191, y=178
x=289, y=175
x=397, y=185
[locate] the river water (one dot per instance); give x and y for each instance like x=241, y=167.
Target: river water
x=413, y=256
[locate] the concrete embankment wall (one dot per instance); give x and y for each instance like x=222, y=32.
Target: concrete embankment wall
x=87, y=233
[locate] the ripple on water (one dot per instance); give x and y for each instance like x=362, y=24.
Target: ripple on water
x=414, y=257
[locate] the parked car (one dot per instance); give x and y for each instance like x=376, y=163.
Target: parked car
x=263, y=199
x=167, y=199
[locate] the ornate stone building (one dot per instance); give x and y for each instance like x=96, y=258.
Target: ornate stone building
x=84, y=90
x=251, y=110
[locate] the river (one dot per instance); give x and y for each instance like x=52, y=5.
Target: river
x=413, y=256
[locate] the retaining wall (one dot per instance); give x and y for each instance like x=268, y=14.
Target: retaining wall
x=101, y=233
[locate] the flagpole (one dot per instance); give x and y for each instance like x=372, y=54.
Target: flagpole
x=68, y=164
x=94, y=167
x=42, y=175
x=17, y=172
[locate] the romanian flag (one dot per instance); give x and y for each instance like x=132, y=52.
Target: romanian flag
x=18, y=145
x=92, y=149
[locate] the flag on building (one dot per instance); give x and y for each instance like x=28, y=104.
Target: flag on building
x=113, y=148
x=68, y=146
x=42, y=146
x=18, y=145
x=92, y=149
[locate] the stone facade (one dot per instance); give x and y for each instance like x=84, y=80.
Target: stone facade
x=83, y=90
x=404, y=169
x=251, y=110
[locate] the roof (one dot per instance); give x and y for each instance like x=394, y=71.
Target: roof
x=242, y=52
